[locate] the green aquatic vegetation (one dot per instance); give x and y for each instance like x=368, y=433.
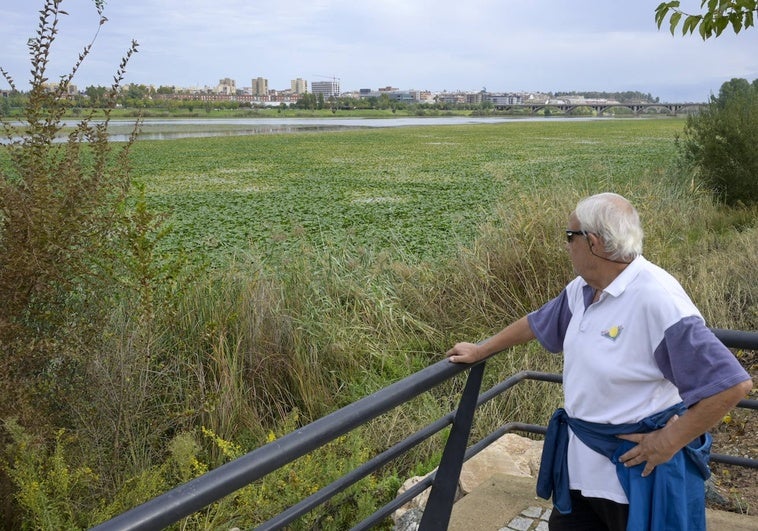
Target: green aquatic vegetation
x=414, y=191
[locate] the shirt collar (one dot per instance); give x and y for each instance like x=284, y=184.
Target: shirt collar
x=626, y=277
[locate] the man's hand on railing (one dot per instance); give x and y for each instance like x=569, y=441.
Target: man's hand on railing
x=515, y=333
x=465, y=353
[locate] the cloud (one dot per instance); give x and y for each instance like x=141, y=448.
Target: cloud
x=505, y=45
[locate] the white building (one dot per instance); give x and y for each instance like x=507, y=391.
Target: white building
x=327, y=88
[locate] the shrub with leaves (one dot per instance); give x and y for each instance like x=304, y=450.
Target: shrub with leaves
x=63, y=191
x=48, y=486
x=719, y=144
x=60, y=198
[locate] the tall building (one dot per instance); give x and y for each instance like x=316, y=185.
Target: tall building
x=226, y=86
x=327, y=88
x=260, y=86
x=299, y=86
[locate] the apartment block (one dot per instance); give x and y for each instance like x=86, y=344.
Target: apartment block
x=226, y=86
x=260, y=86
x=299, y=86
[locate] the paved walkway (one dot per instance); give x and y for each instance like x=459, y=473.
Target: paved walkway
x=533, y=518
x=508, y=503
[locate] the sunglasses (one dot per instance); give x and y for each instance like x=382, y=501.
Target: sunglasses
x=571, y=233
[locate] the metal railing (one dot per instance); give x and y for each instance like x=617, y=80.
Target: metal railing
x=200, y=492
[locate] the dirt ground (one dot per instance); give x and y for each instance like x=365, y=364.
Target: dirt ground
x=735, y=487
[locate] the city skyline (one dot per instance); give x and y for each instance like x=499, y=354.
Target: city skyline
x=260, y=87
x=505, y=46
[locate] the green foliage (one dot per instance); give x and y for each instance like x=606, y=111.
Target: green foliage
x=70, y=250
x=718, y=15
x=58, y=205
x=55, y=493
x=285, y=487
x=719, y=144
x=49, y=487
x=148, y=273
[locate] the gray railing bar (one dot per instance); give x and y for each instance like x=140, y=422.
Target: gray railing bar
x=357, y=474
x=192, y=496
x=737, y=338
x=735, y=460
x=506, y=428
x=426, y=482
x=412, y=492
x=395, y=504
x=441, y=498
x=511, y=381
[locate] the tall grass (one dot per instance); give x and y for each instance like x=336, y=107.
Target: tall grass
x=263, y=344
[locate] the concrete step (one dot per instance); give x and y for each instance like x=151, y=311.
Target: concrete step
x=508, y=503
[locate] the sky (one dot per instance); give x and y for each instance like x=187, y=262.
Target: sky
x=469, y=45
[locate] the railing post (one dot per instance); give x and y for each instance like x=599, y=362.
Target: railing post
x=441, y=498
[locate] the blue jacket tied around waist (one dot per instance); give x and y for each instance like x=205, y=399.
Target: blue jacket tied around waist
x=671, y=497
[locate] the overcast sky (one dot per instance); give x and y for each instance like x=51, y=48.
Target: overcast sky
x=500, y=45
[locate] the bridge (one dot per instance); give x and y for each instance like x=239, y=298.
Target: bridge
x=671, y=109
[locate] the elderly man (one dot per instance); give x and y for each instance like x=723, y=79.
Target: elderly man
x=643, y=379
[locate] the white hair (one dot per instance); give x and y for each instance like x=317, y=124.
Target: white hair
x=614, y=219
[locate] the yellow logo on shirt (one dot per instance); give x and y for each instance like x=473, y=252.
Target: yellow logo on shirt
x=613, y=332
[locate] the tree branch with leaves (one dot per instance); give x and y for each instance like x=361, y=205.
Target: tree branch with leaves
x=717, y=16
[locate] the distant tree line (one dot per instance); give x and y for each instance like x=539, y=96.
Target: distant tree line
x=629, y=96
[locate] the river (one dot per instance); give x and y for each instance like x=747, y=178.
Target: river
x=171, y=129
x=157, y=129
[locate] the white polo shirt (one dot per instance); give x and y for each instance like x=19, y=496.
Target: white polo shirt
x=641, y=348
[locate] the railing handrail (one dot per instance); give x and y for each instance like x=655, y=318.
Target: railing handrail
x=229, y=477
x=200, y=492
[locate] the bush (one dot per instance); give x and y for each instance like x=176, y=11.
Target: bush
x=719, y=144
x=63, y=199
x=60, y=208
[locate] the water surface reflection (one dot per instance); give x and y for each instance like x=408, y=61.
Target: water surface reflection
x=166, y=129
x=194, y=128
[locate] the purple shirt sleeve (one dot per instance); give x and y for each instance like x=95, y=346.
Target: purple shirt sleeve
x=550, y=322
x=696, y=362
